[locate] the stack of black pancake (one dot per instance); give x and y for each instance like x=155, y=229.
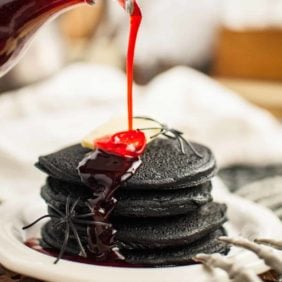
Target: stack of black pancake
x=164, y=214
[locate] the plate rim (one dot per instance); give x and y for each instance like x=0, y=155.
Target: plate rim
x=43, y=268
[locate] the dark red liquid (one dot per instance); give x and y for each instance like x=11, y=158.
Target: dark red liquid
x=19, y=20
x=135, y=21
x=104, y=172
x=35, y=245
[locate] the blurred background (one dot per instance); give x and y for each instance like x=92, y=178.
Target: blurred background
x=212, y=68
x=72, y=79
x=237, y=42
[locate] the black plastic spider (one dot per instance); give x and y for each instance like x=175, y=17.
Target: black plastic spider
x=70, y=219
x=171, y=134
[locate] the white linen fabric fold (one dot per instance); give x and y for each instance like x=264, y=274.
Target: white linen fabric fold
x=39, y=119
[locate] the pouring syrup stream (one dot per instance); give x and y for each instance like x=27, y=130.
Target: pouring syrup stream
x=135, y=21
x=114, y=161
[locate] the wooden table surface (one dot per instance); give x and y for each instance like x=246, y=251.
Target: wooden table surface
x=265, y=94
x=9, y=276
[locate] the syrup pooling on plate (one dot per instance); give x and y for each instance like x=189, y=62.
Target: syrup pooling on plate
x=114, y=161
x=34, y=244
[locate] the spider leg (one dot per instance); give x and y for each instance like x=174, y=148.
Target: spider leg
x=88, y=222
x=177, y=137
x=180, y=141
x=150, y=119
x=74, y=205
x=192, y=147
x=56, y=210
x=235, y=271
x=270, y=258
x=67, y=211
x=75, y=233
x=117, y=253
x=169, y=136
x=65, y=243
x=61, y=221
x=156, y=135
x=89, y=206
x=176, y=132
x=162, y=127
x=153, y=128
x=37, y=220
x=269, y=242
x=150, y=128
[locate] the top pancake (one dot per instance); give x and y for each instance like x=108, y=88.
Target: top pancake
x=164, y=166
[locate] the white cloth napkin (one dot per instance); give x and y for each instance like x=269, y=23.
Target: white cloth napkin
x=40, y=119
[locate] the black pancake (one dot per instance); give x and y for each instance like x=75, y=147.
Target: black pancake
x=63, y=164
x=137, y=203
x=169, y=256
x=170, y=231
x=180, y=255
x=164, y=166
x=152, y=233
x=159, y=203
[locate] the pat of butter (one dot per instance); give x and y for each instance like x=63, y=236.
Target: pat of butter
x=120, y=124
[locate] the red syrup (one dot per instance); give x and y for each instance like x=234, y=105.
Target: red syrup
x=114, y=161
x=135, y=21
x=103, y=172
x=34, y=244
x=19, y=21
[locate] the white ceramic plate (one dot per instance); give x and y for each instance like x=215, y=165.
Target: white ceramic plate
x=245, y=219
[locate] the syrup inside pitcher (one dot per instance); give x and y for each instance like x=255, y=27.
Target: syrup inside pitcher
x=20, y=20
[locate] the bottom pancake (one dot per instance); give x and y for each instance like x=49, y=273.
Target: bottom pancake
x=152, y=233
x=181, y=255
